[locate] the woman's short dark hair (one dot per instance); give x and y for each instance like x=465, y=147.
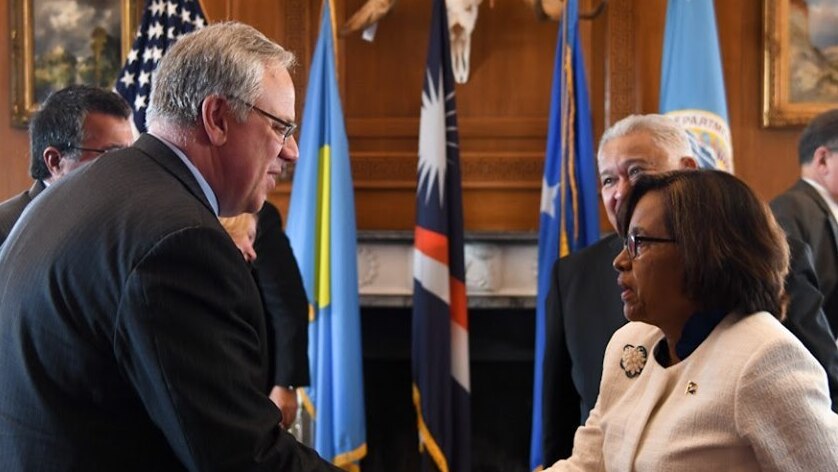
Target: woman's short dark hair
x=735, y=255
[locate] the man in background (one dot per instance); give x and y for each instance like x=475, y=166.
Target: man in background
x=75, y=125
x=808, y=210
x=584, y=307
x=132, y=335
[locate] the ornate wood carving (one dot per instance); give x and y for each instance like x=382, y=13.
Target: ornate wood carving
x=620, y=73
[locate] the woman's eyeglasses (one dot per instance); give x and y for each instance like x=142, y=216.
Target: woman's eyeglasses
x=633, y=241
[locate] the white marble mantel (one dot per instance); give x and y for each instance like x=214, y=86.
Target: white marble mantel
x=501, y=269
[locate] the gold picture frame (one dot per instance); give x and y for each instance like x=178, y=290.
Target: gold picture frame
x=800, y=61
x=48, y=47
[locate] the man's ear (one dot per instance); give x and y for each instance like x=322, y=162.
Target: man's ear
x=52, y=159
x=215, y=119
x=819, y=158
x=688, y=162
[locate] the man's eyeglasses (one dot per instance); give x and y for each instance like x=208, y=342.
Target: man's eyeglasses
x=96, y=150
x=633, y=241
x=283, y=128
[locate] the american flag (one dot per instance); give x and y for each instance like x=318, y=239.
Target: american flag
x=162, y=24
x=441, y=379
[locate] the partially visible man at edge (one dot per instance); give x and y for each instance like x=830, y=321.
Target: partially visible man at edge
x=74, y=125
x=132, y=336
x=584, y=307
x=809, y=209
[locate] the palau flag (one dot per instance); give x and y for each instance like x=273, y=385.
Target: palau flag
x=321, y=227
x=441, y=381
x=569, y=218
x=692, y=84
x=163, y=22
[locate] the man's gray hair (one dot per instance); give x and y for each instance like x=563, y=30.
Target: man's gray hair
x=665, y=133
x=226, y=59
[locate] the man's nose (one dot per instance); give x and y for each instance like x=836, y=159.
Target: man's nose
x=623, y=188
x=290, y=152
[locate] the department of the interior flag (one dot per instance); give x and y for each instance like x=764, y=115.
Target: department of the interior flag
x=692, y=85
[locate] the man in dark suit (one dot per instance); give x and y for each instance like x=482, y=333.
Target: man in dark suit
x=809, y=209
x=75, y=125
x=132, y=336
x=286, y=306
x=584, y=307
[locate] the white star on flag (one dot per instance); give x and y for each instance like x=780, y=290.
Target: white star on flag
x=145, y=78
x=139, y=102
x=162, y=23
x=127, y=79
x=548, y=197
x=155, y=31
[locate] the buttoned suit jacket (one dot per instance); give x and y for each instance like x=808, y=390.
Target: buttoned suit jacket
x=284, y=298
x=804, y=215
x=11, y=209
x=584, y=310
x=131, y=332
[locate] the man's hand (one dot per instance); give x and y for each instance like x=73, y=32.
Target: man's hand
x=286, y=400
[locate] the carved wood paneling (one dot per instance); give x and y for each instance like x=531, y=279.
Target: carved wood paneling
x=502, y=109
x=620, y=96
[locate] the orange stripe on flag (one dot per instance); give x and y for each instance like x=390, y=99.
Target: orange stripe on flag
x=432, y=244
x=458, y=303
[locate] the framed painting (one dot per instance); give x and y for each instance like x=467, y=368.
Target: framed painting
x=56, y=43
x=800, y=63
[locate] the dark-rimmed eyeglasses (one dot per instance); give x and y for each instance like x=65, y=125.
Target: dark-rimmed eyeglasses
x=283, y=128
x=632, y=242
x=96, y=150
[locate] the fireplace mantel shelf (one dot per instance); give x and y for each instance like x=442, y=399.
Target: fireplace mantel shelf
x=501, y=269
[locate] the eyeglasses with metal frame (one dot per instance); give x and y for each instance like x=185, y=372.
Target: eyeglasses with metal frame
x=633, y=240
x=283, y=128
x=96, y=150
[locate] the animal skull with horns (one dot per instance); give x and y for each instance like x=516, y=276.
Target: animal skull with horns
x=462, y=16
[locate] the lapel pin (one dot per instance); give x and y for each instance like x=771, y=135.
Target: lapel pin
x=692, y=387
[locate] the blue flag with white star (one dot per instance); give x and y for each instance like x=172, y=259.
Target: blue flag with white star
x=162, y=24
x=569, y=218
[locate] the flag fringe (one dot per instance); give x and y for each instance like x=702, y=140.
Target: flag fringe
x=307, y=403
x=348, y=460
x=426, y=439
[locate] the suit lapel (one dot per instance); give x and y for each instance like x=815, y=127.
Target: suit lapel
x=160, y=153
x=812, y=193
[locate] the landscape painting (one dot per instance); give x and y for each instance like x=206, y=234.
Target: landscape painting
x=801, y=60
x=59, y=42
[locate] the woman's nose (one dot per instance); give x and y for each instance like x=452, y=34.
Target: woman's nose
x=622, y=261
